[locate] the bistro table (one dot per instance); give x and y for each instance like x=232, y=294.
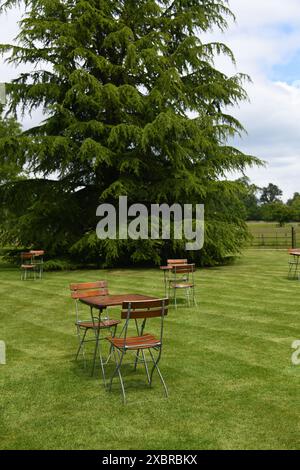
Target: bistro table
x=100, y=303
x=295, y=253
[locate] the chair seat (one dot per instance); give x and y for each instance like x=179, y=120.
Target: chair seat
x=101, y=325
x=183, y=279
x=135, y=342
x=182, y=285
x=27, y=266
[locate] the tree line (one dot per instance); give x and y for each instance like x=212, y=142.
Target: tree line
x=266, y=203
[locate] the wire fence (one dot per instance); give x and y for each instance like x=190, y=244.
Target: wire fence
x=281, y=237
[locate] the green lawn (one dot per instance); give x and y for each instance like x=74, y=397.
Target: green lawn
x=227, y=364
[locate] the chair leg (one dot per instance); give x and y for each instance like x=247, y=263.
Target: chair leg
x=97, y=334
x=155, y=366
x=296, y=269
x=194, y=297
x=146, y=366
x=175, y=298
x=101, y=362
x=187, y=290
x=138, y=351
x=111, y=347
x=81, y=345
x=118, y=371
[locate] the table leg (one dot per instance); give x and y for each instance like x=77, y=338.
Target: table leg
x=97, y=346
x=165, y=282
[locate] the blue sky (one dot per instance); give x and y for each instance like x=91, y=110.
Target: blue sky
x=288, y=71
x=265, y=40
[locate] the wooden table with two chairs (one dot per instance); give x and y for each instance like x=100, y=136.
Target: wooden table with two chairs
x=134, y=307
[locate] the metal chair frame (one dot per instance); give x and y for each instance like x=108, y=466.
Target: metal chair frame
x=38, y=261
x=136, y=344
x=178, y=282
x=85, y=290
x=167, y=273
x=27, y=265
x=293, y=265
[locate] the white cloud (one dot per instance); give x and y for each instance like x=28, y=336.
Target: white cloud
x=267, y=34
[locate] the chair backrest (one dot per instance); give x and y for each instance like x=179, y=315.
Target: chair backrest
x=183, y=268
x=37, y=252
x=174, y=262
x=144, y=309
x=26, y=257
x=83, y=290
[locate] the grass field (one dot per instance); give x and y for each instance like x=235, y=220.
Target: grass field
x=270, y=234
x=227, y=364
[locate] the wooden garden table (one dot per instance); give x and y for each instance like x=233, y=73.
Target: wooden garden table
x=295, y=253
x=101, y=302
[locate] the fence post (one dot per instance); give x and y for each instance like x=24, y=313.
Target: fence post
x=293, y=237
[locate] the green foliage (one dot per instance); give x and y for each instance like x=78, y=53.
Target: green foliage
x=270, y=194
x=277, y=212
x=11, y=161
x=59, y=265
x=250, y=199
x=134, y=106
x=294, y=205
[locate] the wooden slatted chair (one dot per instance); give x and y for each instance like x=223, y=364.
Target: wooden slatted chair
x=140, y=310
x=183, y=279
x=176, y=262
x=27, y=266
x=38, y=261
x=84, y=290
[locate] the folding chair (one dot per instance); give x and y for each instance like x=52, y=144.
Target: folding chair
x=85, y=290
x=27, y=266
x=139, y=310
x=167, y=272
x=174, y=262
x=293, y=263
x=38, y=261
x=186, y=282
x=177, y=262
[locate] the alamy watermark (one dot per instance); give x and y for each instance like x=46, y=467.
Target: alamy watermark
x=160, y=222
x=295, y=358
x=2, y=94
x=2, y=353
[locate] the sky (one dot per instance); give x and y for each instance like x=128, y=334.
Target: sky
x=265, y=40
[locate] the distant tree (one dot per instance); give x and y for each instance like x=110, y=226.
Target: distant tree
x=294, y=205
x=290, y=201
x=277, y=212
x=250, y=198
x=270, y=194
